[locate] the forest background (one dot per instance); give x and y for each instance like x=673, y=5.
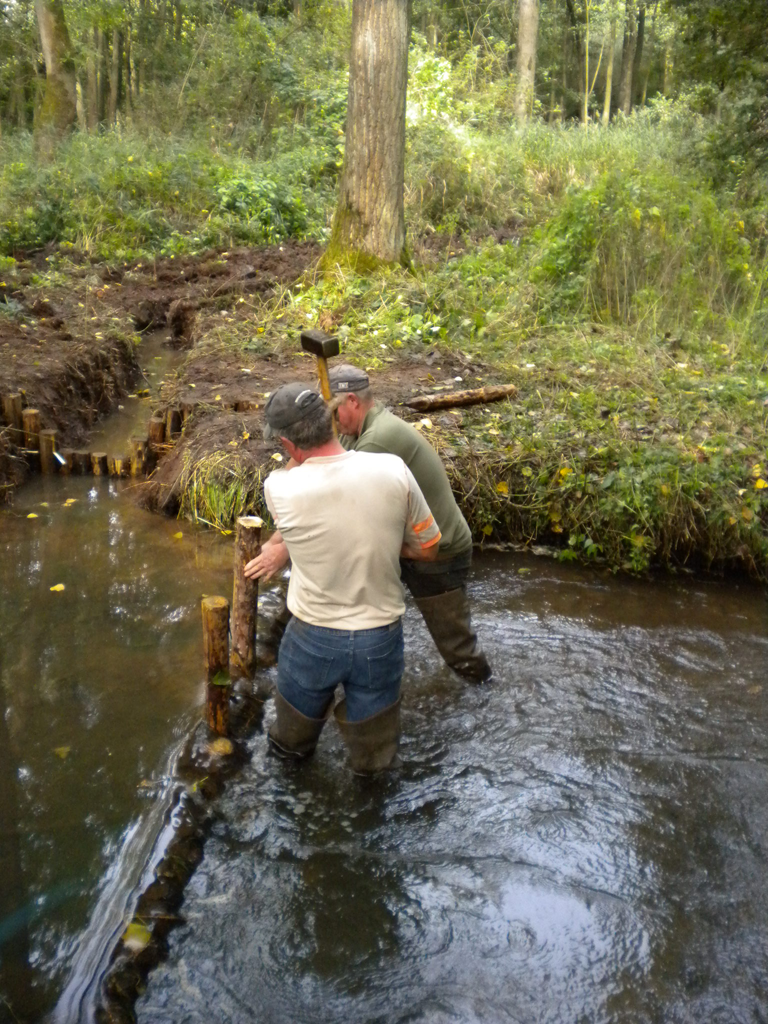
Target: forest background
x=585, y=202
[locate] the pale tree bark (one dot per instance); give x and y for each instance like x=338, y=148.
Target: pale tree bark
x=92, y=83
x=370, y=215
x=58, y=110
x=102, y=77
x=527, y=42
x=628, y=58
x=609, y=74
x=646, y=71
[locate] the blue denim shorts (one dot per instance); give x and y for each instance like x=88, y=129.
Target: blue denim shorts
x=368, y=663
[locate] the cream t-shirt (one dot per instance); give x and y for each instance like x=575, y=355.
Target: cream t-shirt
x=344, y=519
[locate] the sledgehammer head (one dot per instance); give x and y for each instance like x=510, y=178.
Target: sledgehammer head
x=319, y=344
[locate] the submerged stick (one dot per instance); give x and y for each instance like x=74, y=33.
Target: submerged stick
x=244, y=598
x=477, y=396
x=216, y=647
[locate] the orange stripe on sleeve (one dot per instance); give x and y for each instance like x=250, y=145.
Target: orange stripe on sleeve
x=424, y=525
x=430, y=543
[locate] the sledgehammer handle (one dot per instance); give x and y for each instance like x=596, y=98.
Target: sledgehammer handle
x=325, y=386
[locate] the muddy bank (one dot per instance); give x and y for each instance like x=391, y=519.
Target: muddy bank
x=69, y=328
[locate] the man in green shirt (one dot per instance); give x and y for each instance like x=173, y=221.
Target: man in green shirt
x=439, y=587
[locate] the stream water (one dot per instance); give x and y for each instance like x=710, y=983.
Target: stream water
x=586, y=839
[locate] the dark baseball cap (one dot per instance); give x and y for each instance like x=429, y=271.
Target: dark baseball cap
x=345, y=378
x=289, y=404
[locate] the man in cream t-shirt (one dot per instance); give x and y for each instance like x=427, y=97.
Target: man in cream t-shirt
x=346, y=519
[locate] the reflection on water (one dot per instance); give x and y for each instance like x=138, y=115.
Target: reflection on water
x=98, y=682
x=583, y=840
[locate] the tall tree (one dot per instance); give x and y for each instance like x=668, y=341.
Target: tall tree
x=58, y=110
x=628, y=58
x=527, y=41
x=370, y=215
x=609, y=69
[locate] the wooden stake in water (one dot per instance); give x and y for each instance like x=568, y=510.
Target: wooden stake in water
x=31, y=421
x=48, y=462
x=99, y=464
x=12, y=410
x=244, y=598
x=216, y=646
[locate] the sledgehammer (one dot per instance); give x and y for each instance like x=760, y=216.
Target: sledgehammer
x=322, y=346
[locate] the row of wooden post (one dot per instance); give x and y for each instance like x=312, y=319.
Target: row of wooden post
x=223, y=665
x=40, y=445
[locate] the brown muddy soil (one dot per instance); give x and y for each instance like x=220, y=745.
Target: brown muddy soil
x=67, y=327
x=67, y=340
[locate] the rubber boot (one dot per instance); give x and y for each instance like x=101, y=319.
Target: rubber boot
x=293, y=734
x=372, y=743
x=447, y=617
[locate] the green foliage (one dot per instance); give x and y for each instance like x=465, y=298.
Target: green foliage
x=277, y=211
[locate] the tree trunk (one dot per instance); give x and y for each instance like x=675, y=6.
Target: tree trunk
x=92, y=83
x=638, y=58
x=102, y=84
x=579, y=42
x=115, y=74
x=609, y=75
x=370, y=216
x=527, y=40
x=628, y=59
x=177, y=17
x=646, y=71
x=58, y=110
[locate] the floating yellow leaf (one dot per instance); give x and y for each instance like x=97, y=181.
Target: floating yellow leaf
x=178, y=536
x=32, y=515
x=58, y=587
x=502, y=488
x=43, y=504
x=70, y=501
x=487, y=530
x=277, y=457
x=760, y=484
x=62, y=752
x=136, y=937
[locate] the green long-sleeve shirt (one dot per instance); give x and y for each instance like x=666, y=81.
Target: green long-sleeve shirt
x=382, y=431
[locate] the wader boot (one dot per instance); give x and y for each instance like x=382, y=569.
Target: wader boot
x=448, y=620
x=372, y=743
x=293, y=734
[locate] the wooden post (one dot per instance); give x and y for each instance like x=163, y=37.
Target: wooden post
x=31, y=420
x=81, y=462
x=116, y=465
x=187, y=407
x=156, y=431
x=172, y=423
x=216, y=647
x=48, y=463
x=99, y=464
x=68, y=455
x=138, y=456
x=244, y=598
x=12, y=409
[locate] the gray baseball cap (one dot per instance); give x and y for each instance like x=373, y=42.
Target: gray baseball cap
x=289, y=404
x=345, y=378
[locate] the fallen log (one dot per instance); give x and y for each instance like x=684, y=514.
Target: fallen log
x=450, y=399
